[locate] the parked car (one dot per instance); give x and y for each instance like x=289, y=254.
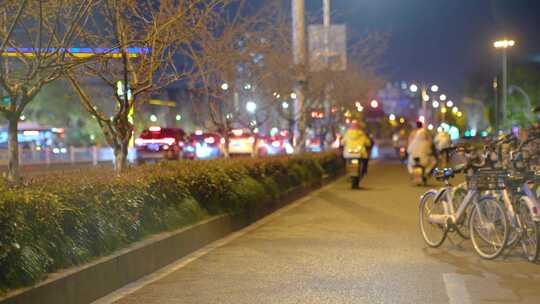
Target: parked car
x=241, y=142
x=156, y=143
x=203, y=145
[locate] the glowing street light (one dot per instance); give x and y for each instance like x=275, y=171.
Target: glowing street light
x=374, y=104
x=293, y=95
x=449, y=104
x=285, y=105
x=504, y=44
x=153, y=118
x=425, y=97
x=251, y=107
x=443, y=97
x=224, y=86
x=455, y=110
x=413, y=88
x=434, y=88
x=435, y=104
x=392, y=117
x=178, y=117
x=443, y=110
x=430, y=127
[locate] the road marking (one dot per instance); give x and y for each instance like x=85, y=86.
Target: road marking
x=182, y=262
x=456, y=289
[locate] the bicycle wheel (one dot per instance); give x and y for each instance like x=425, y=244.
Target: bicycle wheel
x=488, y=226
x=462, y=226
x=530, y=230
x=433, y=234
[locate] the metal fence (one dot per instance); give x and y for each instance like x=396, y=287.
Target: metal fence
x=73, y=155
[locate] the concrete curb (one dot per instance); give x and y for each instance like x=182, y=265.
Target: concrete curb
x=89, y=282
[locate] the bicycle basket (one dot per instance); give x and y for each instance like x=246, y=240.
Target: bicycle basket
x=487, y=179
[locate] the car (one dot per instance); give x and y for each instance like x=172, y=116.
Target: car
x=157, y=143
x=274, y=145
x=313, y=145
x=241, y=142
x=203, y=145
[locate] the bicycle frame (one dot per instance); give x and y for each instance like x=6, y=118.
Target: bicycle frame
x=449, y=212
x=535, y=208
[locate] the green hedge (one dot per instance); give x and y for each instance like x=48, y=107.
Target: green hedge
x=61, y=220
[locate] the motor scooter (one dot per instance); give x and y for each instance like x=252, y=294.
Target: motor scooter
x=418, y=173
x=355, y=165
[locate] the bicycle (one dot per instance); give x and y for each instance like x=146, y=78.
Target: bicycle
x=522, y=206
x=488, y=222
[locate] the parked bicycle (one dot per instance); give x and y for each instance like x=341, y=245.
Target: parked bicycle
x=487, y=221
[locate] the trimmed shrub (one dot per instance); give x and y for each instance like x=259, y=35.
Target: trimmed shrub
x=57, y=220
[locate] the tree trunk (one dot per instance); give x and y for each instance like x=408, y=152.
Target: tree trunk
x=226, y=146
x=255, y=147
x=120, y=157
x=13, y=149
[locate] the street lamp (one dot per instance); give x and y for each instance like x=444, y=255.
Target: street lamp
x=504, y=44
x=449, y=104
x=434, y=88
x=251, y=107
x=435, y=104
x=224, y=86
x=413, y=88
x=443, y=97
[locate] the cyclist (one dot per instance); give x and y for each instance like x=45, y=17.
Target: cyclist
x=420, y=149
x=356, y=139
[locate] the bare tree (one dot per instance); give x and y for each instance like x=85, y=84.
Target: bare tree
x=35, y=38
x=144, y=40
x=219, y=49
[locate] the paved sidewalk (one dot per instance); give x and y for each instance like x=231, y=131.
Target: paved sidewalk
x=343, y=246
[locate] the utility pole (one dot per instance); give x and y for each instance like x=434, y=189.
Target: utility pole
x=299, y=56
x=326, y=12
x=327, y=23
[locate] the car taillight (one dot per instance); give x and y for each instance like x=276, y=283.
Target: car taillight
x=210, y=140
x=181, y=144
x=139, y=141
x=262, y=143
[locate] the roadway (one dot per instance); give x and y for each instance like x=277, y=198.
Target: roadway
x=340, y=246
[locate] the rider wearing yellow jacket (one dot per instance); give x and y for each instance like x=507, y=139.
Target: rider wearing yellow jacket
x=356, y=144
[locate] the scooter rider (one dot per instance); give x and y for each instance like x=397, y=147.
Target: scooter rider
x=442, y=143
x=420, y=148
x=355, y=139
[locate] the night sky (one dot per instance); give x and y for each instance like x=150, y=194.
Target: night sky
x=441, y=41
